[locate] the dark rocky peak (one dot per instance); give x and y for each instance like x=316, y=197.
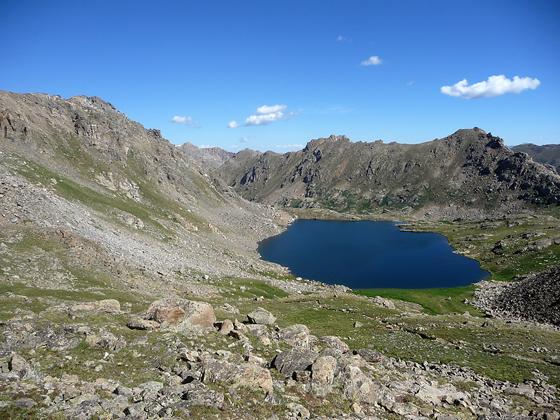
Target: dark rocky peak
x=495, y=142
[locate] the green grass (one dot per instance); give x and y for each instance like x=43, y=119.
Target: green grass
x=232, y=287
x=477, y=240
x=434, y=301
x=449, y=338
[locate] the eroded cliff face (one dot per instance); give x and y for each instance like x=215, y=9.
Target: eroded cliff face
x=470, y=169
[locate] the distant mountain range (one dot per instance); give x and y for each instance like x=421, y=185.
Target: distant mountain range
x=469, y=171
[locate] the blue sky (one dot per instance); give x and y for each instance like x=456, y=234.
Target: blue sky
x=300, y=63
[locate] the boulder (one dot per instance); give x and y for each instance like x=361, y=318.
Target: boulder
x=248, y=375
x=335, y=343
x=261, y=316
x=226, y=327
x=295, y=335
x=384, y=303
x=297, y=411
x=253, y=376
x=294, y=360
x=142, y=324
x=370, y=356
x=106, y=340
x=181, y=314
x=204, y=397
x=19, y=366
x=357, y=386
x=322, y=375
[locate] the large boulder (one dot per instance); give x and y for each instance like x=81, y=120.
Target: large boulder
x=247, y=375
x=181, y=314
x=261, y=316
x=322, y=375
x=295, y=335
x=294, y=360
x=336, y=343
x=357, y=386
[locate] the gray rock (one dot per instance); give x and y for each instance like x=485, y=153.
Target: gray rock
x=335, y=343
x=261, y=316
x=226, y=327
x=293, y=360
x=106, y=340
x=142, y=324
x=181, y=314
x=19, y=366
x=322, y=375
x=204, y=397
x=295, y=335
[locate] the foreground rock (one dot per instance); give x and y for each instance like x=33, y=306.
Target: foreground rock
x=261, y=316
x=181, y=314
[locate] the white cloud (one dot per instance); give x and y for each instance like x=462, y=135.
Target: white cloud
x=494, y=86
x=182, y=119
x=270, y=109
x=233, y=124
x=267, y=114
x=410, y=83
x=342, y=38
x=374, y=60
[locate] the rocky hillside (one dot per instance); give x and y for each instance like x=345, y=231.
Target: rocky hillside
x=536, y=297
x=469, y=170
x=548, y=154
x=78, y=174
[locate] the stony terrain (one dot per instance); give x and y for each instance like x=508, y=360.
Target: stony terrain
x=470, y=173
x=548, y=154
x=130, y=286
x=535, y=297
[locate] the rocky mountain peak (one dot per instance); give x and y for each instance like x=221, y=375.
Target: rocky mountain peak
x=93, y=102
x=313, y=144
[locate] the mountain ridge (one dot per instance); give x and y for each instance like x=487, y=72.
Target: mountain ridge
x=393, y=175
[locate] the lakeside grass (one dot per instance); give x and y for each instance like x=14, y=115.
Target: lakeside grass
x=435, y=301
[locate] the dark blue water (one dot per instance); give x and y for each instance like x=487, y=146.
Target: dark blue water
x=367, y=254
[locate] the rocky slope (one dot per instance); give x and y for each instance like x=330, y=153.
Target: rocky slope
x=175, y=361
x=80, y=173
x=468, y=172
x=536, y=297
x=548, y=154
